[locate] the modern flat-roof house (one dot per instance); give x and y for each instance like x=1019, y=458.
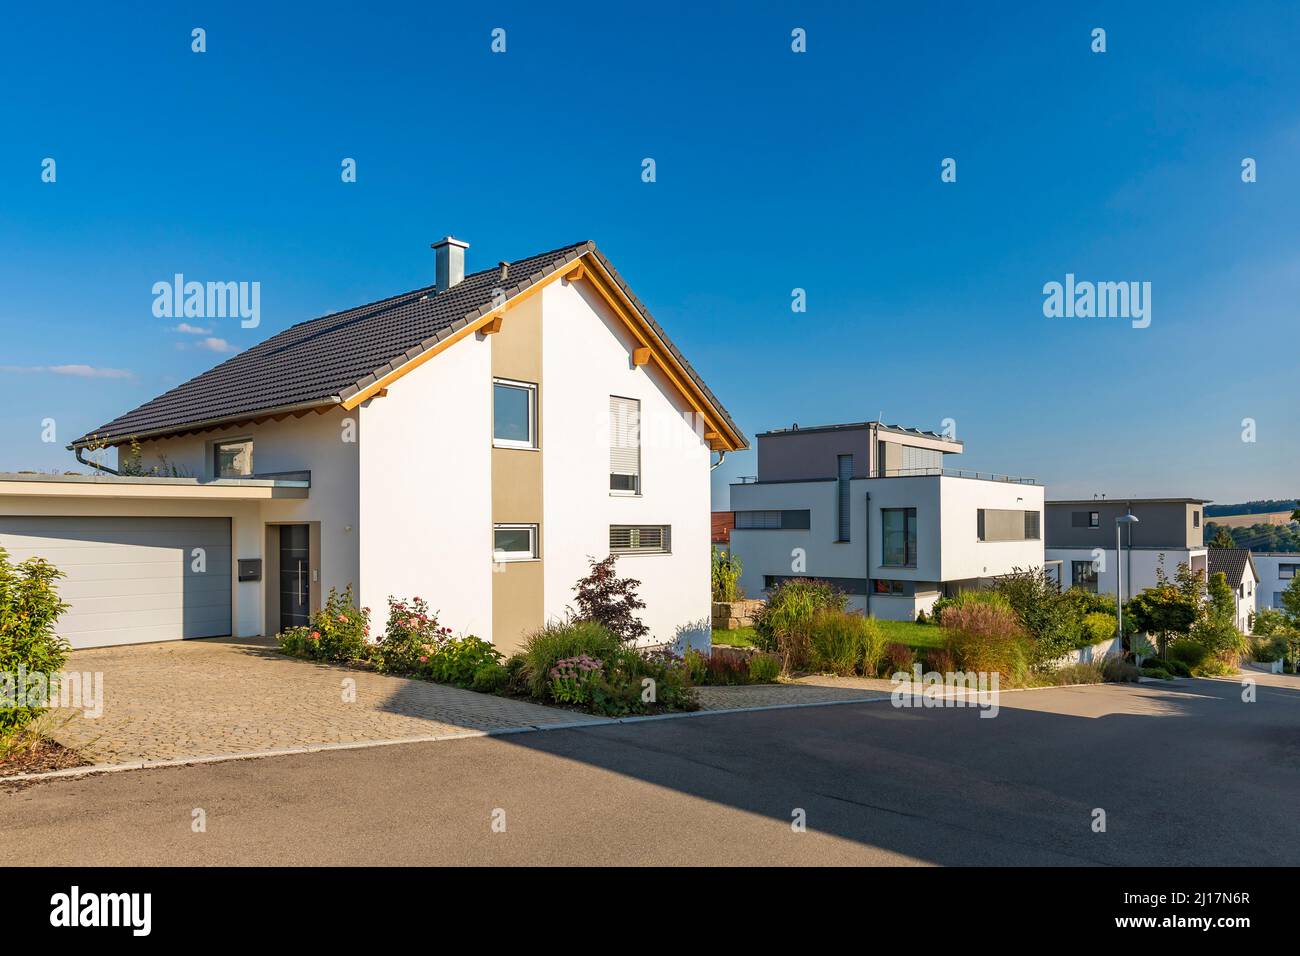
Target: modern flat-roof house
x=1081, y=536
x=1276, y=570
x=1238, y=568
x=471, y=442
x=872, y=508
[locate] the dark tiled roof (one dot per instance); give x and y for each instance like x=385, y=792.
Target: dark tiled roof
x=334, y=357
x=1232, y=562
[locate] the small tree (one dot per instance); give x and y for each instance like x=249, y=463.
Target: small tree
x=610, y=600
x=1291, y=602
x=1170, y=608
x=1222, y=538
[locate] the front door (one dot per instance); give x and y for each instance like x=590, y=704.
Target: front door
x=295, y=576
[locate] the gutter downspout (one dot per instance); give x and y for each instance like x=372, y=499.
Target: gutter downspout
x=868, y=536
x=93, y=464
x=722, y=456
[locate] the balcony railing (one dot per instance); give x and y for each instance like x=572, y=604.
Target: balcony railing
x=955, y=473
x=912, y=473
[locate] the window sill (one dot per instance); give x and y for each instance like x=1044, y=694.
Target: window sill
x=498, y=444
x=625, y=494
x=508, y=560
x=635, y=554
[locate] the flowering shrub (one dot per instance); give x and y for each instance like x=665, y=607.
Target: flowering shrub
x=338, y=632
x=411, y=637
x=571, y=678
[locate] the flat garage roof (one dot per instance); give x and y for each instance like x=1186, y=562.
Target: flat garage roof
x=122, y=486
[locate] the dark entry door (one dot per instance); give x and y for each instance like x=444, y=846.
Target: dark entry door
x=295, y=575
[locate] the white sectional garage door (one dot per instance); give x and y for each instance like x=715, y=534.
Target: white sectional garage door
x=131, y=580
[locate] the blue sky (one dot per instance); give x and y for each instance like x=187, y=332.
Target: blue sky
x=775, y=170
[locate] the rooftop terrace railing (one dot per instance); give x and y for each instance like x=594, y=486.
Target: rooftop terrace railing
x=911, y=473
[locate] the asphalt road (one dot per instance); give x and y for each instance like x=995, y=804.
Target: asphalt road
x=1185, y=773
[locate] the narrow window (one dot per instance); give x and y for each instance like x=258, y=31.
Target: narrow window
x=1196, y=519
x=1094, y=519
x=233, y=459
x=845, y=475
x=898, y=537
x=514, y=414
x=1083, y=574
x=624, y=445
x=514, y=542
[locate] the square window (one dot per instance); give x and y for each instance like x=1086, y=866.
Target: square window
x=233, y=459
x=514, y=414
x=514, y=542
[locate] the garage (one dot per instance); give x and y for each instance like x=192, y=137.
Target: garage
x=132, y=580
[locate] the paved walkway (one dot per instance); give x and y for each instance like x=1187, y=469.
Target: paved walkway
x=223, y=696
x=810, y=689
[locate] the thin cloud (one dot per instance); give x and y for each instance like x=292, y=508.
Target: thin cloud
x=213, y=344
x=188, y=329
x=78, y=371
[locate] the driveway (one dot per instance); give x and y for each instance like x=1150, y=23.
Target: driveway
x=225, y=696
x=1186, y=775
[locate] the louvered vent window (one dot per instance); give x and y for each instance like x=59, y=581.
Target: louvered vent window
x=624, y=445
x=644, y=539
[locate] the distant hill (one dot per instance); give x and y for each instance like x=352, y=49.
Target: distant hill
x=1250, y=507
x=1260, y=537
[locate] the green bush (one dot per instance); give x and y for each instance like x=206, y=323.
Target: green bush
x=1098, y=626
x=1079, y=673
x=29, y=610
x=1003, y=651
x=844, y=643
x=725, y=575
x=459, y=661
x=764, y=669
x=1176, y=667
x=1118, y=671
x=490, y=678
x=545, y=648
x=834, y=644
x=783, y=625
x=1159, y=673
x=338, y=632
x=1187, y=652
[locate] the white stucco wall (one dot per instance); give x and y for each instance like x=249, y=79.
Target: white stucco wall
x=586, y=357
x=1271, y=583
x=964, y=555
x=1140, y=563
x=426, y=490
x=947, y=544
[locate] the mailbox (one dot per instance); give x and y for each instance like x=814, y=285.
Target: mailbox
x=250, y=569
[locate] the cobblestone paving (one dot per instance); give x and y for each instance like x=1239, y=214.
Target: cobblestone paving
x=811, y=689
x=223, y=696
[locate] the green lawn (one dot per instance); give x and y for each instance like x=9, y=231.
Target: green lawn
x=913, y=634
x=740, y=637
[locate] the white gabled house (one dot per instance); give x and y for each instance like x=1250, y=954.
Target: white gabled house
x=472, y=442
x=871, y=508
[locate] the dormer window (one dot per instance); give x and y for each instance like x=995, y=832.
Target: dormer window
x=233, y=459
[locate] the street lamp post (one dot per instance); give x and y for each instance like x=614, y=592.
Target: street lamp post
x=1124, y=519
